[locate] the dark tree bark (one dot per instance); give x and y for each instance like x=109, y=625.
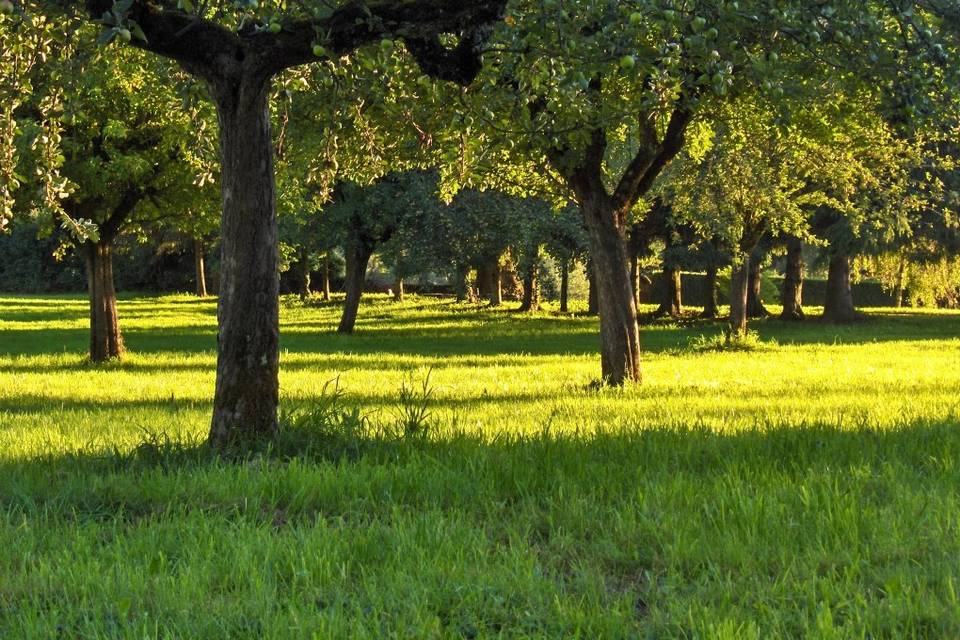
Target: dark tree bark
x=793, y=281
x=755, y=308
x=531, y=291
x=593, y=301
x=710, y=307
x=238, y=66
x=605, y=216
x=106, y=341
x=326, y=277
x=247, y=388
x=358, y=258
x=489, y=283
x=565, y=286
x=672, y=303
x=619, y=332
x=838, y=307
x=200, y=271
x=398, y=292
x=739, y=286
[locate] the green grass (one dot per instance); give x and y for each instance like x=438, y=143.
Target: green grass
x=807, y=487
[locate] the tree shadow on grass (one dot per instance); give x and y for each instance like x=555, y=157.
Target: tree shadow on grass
x=503, y=467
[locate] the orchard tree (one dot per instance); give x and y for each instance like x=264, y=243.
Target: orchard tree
x=125, y=152
x=237, y=49
x=364, y=218
x=604, y=94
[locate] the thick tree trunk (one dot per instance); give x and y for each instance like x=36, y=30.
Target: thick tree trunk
x=326, y=277
x=200, y=271
x=793, y=281
x=248, y=357
x=357, y=260
x=739, y=287
x=755, y=308
x=838, y=306
x=106, y=342
x=398, y=292
x=672, y=303
x=593, y=299
x=531, y=291
x=619, y=333
x=565, y=286
x=710, y=306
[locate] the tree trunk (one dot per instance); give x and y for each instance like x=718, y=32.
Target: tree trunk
x=619, y=333
x=531, y=291
x=898, y=288
x=357, y=260
x=303, y=271
x=248, y=356
x=755, y=308
x=671, y=304
x=460, y=285
x=326, y=277
x=565, y=286
x=106, y=342
x=710, y=306
x=398, y=291
x=739, y=287
x=593, y=301
x=838, y=306
x=199, y=268
x=793, y=281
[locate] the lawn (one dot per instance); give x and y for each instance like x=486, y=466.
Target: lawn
x=807, y=488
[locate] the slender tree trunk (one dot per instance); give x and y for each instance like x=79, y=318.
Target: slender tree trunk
x=326, y=277
x=755, y=308
x=248, y=356
x=710, y=306
x=838, y=307
x=898, y=289
x=398, y=292
x=619, y=333
x=739, y=286
x=793, y=281
x=531, y=291
x=672, y=303
x=565, y=286
x=496, y=285
x=593, y=298
x=106, y=342
x=357, y=260
x=199, y=268
x=303, y=271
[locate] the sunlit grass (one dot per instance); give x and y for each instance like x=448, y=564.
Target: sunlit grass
x=805, y=488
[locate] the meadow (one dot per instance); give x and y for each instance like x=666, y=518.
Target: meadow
x=450, y=471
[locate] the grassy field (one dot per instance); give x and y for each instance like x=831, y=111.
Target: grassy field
x=807, y=488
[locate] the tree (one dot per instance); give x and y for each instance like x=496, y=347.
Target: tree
x=609, y=90
x=237, y=52
x=365, y=218
x=126, y=155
